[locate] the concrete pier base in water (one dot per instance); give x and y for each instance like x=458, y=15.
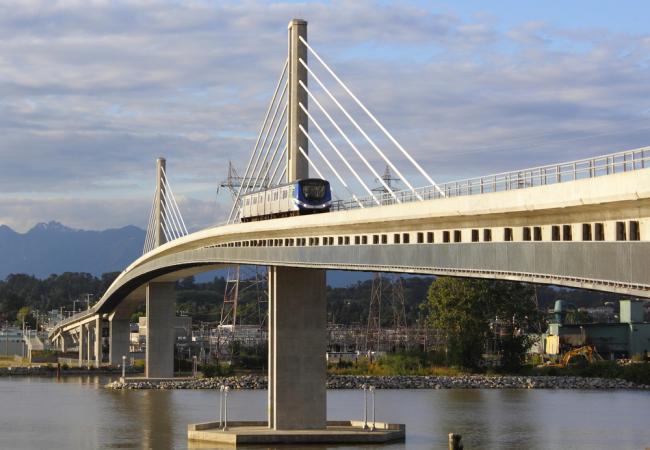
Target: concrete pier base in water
x=336, y=432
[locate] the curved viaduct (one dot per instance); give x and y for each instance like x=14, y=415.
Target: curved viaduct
x=387, y=239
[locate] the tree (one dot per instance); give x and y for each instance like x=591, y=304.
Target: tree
x=469, y=312
x=515, y=313
x=458, y=308
x=22, y=315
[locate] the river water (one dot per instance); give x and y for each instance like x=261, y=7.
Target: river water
x=78, y=413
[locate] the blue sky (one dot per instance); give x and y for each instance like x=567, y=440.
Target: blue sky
x=92, y=92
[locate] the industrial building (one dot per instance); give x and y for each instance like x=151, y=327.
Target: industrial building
x=626, y=338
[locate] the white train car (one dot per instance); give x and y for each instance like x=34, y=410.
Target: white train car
x=308, y=196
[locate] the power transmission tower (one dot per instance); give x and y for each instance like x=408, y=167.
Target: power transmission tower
x=399, y=311
x=373, y=329
x=389, y=181
x=235, y=274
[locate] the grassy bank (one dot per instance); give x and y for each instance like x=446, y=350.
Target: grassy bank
x=422, y=364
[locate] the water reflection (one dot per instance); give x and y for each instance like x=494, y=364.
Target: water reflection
x=78, y=412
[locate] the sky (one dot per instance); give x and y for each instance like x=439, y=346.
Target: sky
x=92, y=92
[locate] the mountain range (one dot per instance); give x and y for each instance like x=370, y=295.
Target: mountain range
x=52, y=248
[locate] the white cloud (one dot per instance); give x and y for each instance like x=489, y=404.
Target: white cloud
x=92, y=93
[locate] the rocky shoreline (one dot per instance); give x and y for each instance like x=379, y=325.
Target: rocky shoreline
x=395, y=382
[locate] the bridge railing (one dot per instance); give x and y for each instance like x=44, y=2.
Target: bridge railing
x=624, y=161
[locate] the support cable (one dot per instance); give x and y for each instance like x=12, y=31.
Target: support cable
x=345, y=161
x=164, y=228
x=283, y=174
x=147, y=238
x=268, y=111
x=171, y=194
x=268, y=150
x=358, y=127
x=318, y=172
x=275, y=152
x=313, y=144
x=173, y=221
x=277, y=165
x=248, y=187
x=169, y=223
x=374, y=119
x=350, y=143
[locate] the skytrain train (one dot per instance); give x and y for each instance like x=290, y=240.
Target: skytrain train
x=308, y=196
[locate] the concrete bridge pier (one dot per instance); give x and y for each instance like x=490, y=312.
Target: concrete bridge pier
x=160, y=304
x=82, y=345
x=297, y=345
x=119, y=335
x=97, y=341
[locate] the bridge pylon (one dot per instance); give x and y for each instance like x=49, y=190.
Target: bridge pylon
x=297, y=164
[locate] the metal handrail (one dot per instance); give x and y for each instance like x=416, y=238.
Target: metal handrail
x=624, y=161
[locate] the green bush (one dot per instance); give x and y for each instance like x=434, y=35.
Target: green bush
x=215, y=370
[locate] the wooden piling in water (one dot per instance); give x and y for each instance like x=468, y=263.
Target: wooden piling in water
x=455, y=441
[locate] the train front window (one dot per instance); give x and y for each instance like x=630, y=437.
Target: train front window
x=313, y=189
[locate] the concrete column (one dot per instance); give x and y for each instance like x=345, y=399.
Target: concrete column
x=119, y=340
x=161, y=300
x=89, y=347
x=297, y=164
x=297, y=346
x=159, y=234
x=82, y=346
x=98, y=341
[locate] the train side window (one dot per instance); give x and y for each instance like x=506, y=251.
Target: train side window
x=537, y=233
x=507, y=234
x=445, y=236
x=555, y=233
x=620, y=231
x=406, y=238
x=284, y=194
x=347, y=240
x=375, y=239
x=566, y=233
x=255, y=201
x=364, y=239
x=487, y=235
x=474, y=235
x=586, y=232
x=526, y=233
x=396, y=238
x=635, y=234
x=317, y=241
x=430, y=237
x=325, y=241
x=457, y=236
x=384, y=239
x=357, y=240
x=340, y=240
x=420, y=238
x=332, y=240
x=599, y=231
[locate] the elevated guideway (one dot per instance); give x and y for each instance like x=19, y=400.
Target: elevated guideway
x=411, y=238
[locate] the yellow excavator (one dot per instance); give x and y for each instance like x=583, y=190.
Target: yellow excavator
x=586, y=353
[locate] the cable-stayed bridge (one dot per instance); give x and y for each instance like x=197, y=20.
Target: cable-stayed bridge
x=584, y=223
